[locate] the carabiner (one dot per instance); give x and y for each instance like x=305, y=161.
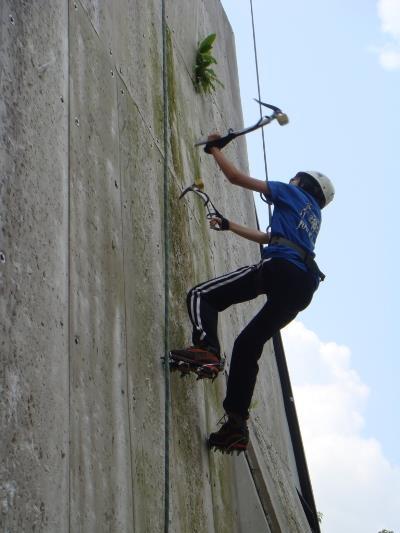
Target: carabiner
x=212, y=211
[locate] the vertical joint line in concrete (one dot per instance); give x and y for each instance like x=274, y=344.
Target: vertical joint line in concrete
x=166, y=270
x=125, y=299
x=69, y=319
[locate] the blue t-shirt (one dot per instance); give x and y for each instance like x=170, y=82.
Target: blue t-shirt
x=297, y=217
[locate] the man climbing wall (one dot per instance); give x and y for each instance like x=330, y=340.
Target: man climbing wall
x=287, y=274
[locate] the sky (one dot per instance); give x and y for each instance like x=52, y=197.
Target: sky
x=334, y=67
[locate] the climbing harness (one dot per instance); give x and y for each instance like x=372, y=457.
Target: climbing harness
x=277, y=115
x=307, y=257
x=212, y=211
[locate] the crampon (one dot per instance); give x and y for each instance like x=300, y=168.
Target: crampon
x=230, y=438
x=196, y=361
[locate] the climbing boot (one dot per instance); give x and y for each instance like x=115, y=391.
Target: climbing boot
x=232, y=436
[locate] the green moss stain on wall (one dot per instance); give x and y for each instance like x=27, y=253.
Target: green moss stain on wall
x=174, y=137
x=195, y=161
x=156, y=66
x=187, y=452
x=185, y=264
x=181, y=266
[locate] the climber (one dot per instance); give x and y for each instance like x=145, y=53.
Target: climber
x=287, y=274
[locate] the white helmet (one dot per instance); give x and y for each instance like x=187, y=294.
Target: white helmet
x=324, y=182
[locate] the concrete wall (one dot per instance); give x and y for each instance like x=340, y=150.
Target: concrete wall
x=82, y=383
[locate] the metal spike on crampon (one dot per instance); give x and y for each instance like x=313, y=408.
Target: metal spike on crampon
x=236, y=446
x=227, y=451
x=206, y=371
x=179, y=366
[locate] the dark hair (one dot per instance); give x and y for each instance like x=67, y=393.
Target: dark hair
x=311, y=185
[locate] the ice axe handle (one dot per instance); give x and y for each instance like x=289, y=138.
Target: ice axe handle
x=219, y=143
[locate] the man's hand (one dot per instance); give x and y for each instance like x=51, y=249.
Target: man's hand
x=219, y=224
x=212, y=137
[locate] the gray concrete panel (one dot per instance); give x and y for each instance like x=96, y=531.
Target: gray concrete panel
x=189, y=264
x=186, y=36
x=272, y=449
x=250, y=513
x=142, y=193
x=208, y=507
x=137, y=45
x=101, y=494
x=203, y=18
x=198, y=254
x=278, y=481
x=131, y=32
x=191, y=116
x=269, y=414
x=33, y=267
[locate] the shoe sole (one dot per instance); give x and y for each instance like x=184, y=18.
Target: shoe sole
x=202, y=370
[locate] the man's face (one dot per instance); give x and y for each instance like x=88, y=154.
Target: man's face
x=294, y=181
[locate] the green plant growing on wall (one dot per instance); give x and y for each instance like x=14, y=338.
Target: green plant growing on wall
x=205, y=79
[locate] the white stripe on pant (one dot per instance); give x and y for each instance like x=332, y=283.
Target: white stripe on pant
x=204, y=288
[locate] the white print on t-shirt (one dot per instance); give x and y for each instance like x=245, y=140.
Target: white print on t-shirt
x=309, y=222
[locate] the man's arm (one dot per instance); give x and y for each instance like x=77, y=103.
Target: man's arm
x=250, y=234
x=235, y=176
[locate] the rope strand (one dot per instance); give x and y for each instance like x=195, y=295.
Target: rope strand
x=166, y=273
x=259, y=98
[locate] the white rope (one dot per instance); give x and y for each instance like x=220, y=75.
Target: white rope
x=259, y=98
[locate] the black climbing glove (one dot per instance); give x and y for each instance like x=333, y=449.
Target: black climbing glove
x=207, y=148
x=220, y=143
x=224, y=226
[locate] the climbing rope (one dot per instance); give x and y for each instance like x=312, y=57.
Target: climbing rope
x=166, y=273
x=259, y=99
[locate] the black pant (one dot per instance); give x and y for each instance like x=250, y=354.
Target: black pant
x=289, y=290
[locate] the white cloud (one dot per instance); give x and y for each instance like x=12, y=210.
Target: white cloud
x=389, y=15
x=389, y=58
x=355, y=486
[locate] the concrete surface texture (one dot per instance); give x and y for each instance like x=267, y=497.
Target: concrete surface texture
x=82, y=243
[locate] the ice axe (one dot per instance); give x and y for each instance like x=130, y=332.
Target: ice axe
x=277, y=115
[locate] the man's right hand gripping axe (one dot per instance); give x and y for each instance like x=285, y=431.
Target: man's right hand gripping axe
x=221, y=142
